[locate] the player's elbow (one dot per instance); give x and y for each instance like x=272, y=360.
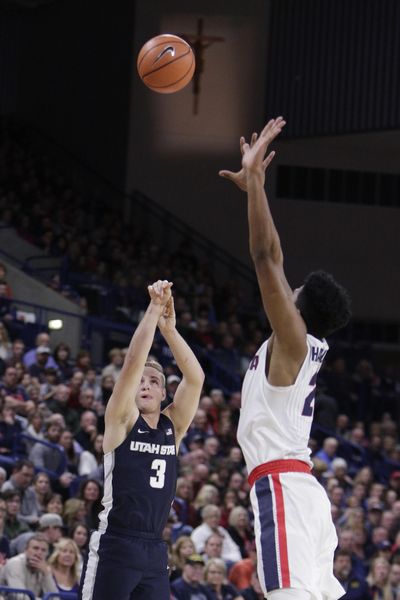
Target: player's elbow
x=272, y=255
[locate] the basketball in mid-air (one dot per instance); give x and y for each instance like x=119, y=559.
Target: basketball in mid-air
x=166, y=63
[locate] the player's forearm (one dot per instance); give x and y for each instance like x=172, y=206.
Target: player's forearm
x=143, y=337
x=184, y=357
x=264, y=240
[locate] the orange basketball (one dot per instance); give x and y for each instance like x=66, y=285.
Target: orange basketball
x=166, y=63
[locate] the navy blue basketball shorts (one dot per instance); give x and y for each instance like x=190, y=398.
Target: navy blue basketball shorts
x=123, y=567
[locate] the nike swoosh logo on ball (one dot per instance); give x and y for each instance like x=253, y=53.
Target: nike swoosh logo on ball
x=168, y=50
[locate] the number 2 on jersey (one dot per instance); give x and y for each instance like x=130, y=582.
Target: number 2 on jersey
x=308, y=407
x=158, y=465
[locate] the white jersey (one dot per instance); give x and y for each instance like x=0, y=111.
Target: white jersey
x=275, y=422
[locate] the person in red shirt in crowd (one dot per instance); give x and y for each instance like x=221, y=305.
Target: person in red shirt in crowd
x=241, y=572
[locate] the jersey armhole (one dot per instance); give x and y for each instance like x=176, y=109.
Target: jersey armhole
x=125, y=438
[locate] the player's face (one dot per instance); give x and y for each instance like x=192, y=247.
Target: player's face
x=151, y=391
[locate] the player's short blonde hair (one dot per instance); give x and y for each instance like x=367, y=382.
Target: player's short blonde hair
x=156, y=365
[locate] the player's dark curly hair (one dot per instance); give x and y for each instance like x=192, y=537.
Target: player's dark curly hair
x=324, y=304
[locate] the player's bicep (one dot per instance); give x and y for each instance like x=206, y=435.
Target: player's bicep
x=182, y=410
x=279, y=306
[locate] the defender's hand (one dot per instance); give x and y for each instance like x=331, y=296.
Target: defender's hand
x=239, y=177
x=270, y=131
x=254, y=155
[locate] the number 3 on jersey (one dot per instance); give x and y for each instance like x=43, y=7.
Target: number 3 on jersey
x=158, y=465
x=308, y=408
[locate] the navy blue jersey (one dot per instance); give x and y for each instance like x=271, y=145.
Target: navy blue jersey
x=140, y=480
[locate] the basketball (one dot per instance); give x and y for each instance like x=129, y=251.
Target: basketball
x=166, y=63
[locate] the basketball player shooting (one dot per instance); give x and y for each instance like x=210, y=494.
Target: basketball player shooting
x=127, y=557
x=295, y=536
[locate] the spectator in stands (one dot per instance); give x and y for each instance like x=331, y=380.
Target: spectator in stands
x=328, y=452
x=237, y=483
x=35, y=428
x=86, y=401
x=182, y=548
x=43, y=340
x=239, y=529
x=83, y=361
x=346, y=543
x=30, y=570
x=42, y=491
x=378, y=579
x=91, y=463
x=189, y=585
x=87, y=432
x=14, y=394
x=62, y=358
x=339, y=470
x=60, y=404
x=13, y=524
x=91, y=383
x=113, y=369
x=379, y=535
x=72, y=451
x=17, y=351
x=172, y=383
x=3, y=476
x=215, y=581
x=211, y=515
x=39, y=366
x=51, y=527
x=51, y=456
x=91, y=493
x=80, y=535
x=240, y=573
x=182, y=505
x=55, y=504
x=208, y=494
x=229, y=501
x=356, y=587
x=107, y=386
x=49, y=384
x=20, y=481
x=5, y=345
x=75, y=385
x=74, y=513
x=10, y=430
x=254, y=591
x=65, y=563
x=3, y=279
x=213, y=549
x=394, y=580
x=199, y=427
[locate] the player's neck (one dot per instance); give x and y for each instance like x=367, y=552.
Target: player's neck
x=152, y=419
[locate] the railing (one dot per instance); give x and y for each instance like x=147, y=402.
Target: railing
x=9, y=593
x=172, y=226
x=93, y=327
x=61, y=596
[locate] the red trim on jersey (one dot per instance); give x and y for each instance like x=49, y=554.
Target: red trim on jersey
x=280, y=515
x=278, y=466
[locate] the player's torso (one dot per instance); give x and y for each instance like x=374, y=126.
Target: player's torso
x=275, y=422
x=140, y=480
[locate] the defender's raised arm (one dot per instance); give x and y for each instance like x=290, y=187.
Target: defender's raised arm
x=265, y=247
